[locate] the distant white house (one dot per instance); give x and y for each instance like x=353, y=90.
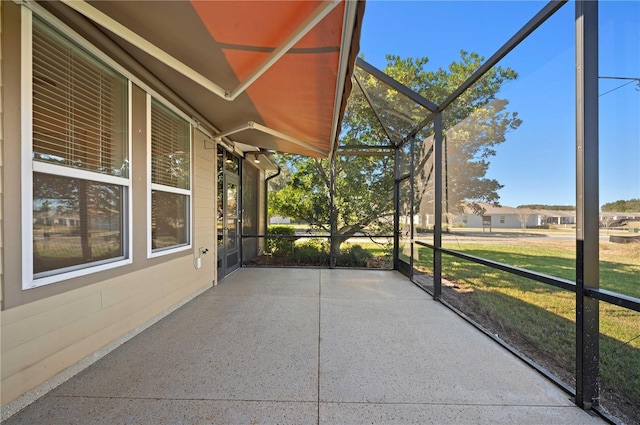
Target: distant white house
x=500, y=218
x=276, y=219
x=505, y=217
x=558, y=217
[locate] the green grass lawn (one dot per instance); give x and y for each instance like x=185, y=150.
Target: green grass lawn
x=539, y=319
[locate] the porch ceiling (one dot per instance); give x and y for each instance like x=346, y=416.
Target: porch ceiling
x=296, y=103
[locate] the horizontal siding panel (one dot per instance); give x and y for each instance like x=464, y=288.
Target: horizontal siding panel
x=204, y=212
x=204, y=228
x=48, y=345
x=204, y=189
x=47, y=368
x=205, y=159
x=205, y=174
x=50, y=303
x=32, y=327
x=34, y=374
x=210, y=203
x=139, y=284
x=174, y=292
x=122, y=289
x=42, y=335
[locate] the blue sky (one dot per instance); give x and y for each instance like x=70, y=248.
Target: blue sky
x=537, y=162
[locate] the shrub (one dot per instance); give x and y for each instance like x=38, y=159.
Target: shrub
x=311, y=253
x=280, y=246
x=424, y=229
x=354, y=256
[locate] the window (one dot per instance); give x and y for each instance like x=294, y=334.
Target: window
x=78, y=150
x=170, y=180
x=502, y=219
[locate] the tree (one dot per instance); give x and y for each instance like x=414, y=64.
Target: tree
x=548, y=207
x=524, y=217
x=632, y=205
x=363, y=185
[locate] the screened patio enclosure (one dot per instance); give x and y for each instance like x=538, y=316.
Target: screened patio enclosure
x=161, y=152
x=548, y=285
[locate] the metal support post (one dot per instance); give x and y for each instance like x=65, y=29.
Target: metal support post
x=333, y=217
x=437, y=205
x=587, y=197
x=396, y=211
x=412, y=211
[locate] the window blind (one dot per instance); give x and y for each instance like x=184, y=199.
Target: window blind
x=79, y=107
x=170, y=156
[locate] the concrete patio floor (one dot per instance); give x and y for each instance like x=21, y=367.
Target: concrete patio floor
x=308, y=346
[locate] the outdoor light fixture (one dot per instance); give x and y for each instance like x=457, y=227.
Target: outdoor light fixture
x=256, y=156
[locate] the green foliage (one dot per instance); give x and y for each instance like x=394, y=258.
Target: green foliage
x=363, y=185
x=311, y=253
x=305, y=197
x=280, y=246
x=424, y=229
x=354, y=256
x=539, y=320
x=632, y=205
x=548, y=207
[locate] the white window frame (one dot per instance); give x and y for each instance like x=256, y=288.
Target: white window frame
x=151, y=253
x=29, y=166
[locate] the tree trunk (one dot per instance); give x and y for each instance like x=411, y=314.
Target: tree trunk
x=84, y=221
x=336, y=242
